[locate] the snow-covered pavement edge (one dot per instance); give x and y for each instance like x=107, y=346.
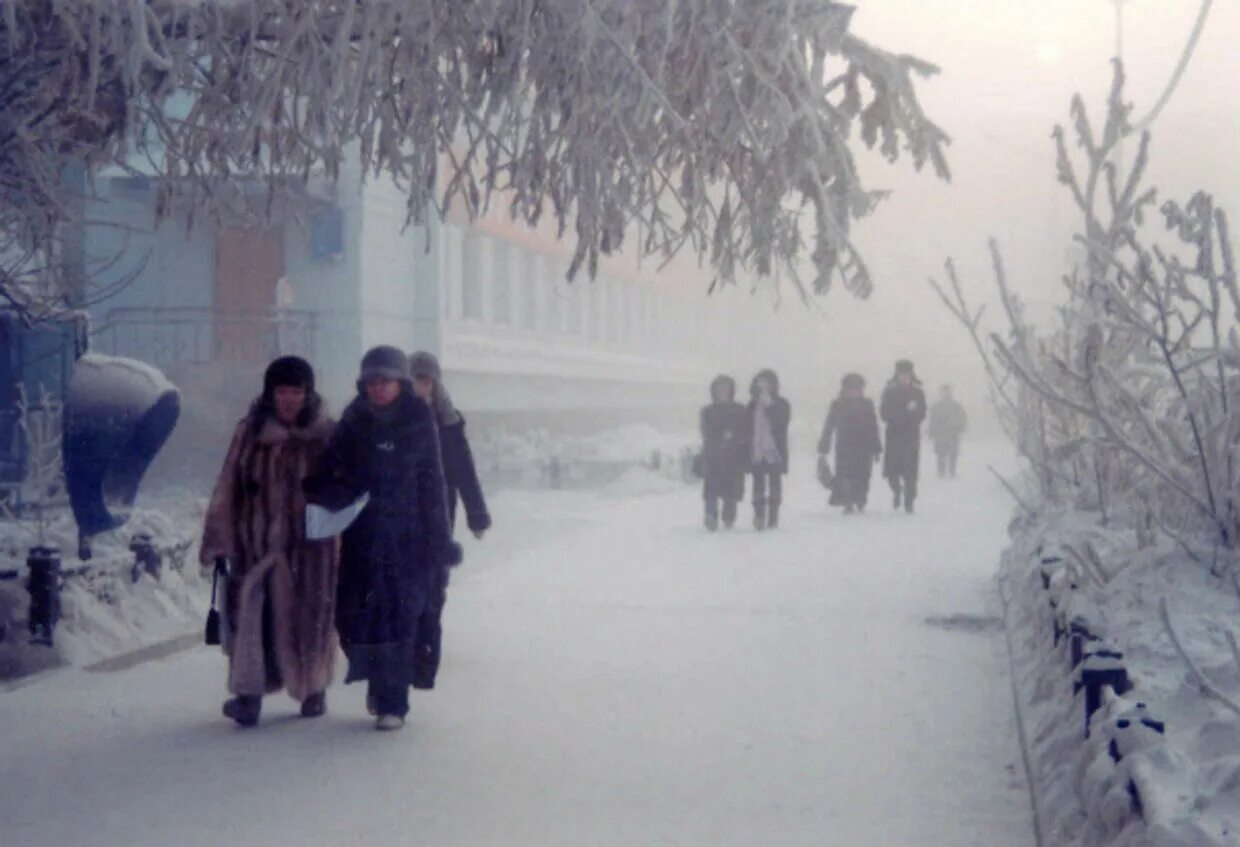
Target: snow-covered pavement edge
x=1126, y=784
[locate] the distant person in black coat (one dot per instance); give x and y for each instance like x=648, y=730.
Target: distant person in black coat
x=852, y=424
x=398, y=550
x=947, y=423
x=769, y=417
x=461, y=477
x=903, y=410
x=725, y=452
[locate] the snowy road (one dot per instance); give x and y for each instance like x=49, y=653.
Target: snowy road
x=613, y=676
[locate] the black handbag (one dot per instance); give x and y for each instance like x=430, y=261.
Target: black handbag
x=212, y=634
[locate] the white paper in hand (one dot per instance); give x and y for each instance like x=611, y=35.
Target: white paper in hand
x=323, y=523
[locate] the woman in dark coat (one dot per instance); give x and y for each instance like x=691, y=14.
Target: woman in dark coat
x=769, y=417
x=852, y=424
x=903, y=410
x=462, y=482
x=397, y=550
x=725, y=449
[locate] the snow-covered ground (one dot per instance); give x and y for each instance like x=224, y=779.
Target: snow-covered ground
x=612, y=675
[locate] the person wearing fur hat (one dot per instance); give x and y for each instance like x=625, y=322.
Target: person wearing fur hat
x=769, y=418
x=725, y=427
x=397, y=550
x=903, y=409
x=280, y=588
x=852, y=424
x=461, y=477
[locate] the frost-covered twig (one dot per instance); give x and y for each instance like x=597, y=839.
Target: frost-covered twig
x=1012, y=490
x=1207, y=687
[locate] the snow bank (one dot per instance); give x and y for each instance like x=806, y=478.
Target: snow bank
x=105, y=612
x=1127, y=783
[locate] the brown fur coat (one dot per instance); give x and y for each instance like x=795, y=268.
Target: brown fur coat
x=256, y=519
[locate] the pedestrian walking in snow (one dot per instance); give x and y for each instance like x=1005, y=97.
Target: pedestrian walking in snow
x=947, y=423
x=280, y=589
x=394, y=554
x=769, y=416
x=725, y=452
x=903, y=409
x=852, y=425
x=461, y=478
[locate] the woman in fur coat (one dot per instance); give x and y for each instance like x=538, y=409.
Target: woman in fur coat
x=280, y=589
x=398, y=549
x=461, y=477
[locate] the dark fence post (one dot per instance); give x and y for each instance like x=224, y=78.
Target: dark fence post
x=43, y=583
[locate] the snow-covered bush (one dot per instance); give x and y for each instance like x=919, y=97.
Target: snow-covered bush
x=1129, y=406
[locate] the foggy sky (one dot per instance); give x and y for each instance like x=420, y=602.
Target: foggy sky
x=1009, y=70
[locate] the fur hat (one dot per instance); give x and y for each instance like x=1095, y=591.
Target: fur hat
x=288, y=371
x=425, y=364
x=384, y=363
x=904, y=366
x=852, y=382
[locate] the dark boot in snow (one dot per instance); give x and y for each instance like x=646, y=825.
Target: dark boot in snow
x=315, y=705
x=772, y=516
x=712, y=522
x=244, y=709
x=908, y=505
x=759, y=517
x=849, y=510
x=729, y=513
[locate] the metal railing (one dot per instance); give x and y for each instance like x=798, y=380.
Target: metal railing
x=178, y=336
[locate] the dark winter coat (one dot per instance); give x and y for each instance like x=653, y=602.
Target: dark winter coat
x=780, y=415
x=947, y=423
x=852, y=425
x=903, y=410
x=462, y=477
x=725, y=449
x=256, y=520
x=395, y=555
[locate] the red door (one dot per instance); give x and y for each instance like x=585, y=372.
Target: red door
x=249, y=263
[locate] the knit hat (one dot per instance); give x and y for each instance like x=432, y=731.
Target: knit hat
x=422, y=363
x=904, y=366
x=853, y=382
x=384, y=363
x=288, y=371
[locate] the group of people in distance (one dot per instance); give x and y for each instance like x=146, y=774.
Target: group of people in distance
x=378, y=589
x=753, y=439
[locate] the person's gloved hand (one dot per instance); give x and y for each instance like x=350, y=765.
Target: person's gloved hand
x=479, y=523
x=452, y=554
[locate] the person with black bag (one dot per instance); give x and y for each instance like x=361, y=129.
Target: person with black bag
x=275, y=588
x=399, y=547
x=852, y=426
x=725, y=442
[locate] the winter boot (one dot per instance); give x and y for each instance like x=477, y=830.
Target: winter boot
x=315, y=705
x=849, y=510
x=389, y=723
x=772, y=515
x=759, y=516
x=729, y=513
x=908, y=505
x=896, y=499
x=244, y=709
x=712, y=522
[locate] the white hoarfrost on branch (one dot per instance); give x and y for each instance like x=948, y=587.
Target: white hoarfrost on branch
x=1129, y=407
x=725, y=127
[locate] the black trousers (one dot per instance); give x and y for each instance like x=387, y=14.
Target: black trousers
x=768, y=487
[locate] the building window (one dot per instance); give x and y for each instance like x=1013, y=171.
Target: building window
x=471, y=277
x=502, y=276
x=532, y=286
